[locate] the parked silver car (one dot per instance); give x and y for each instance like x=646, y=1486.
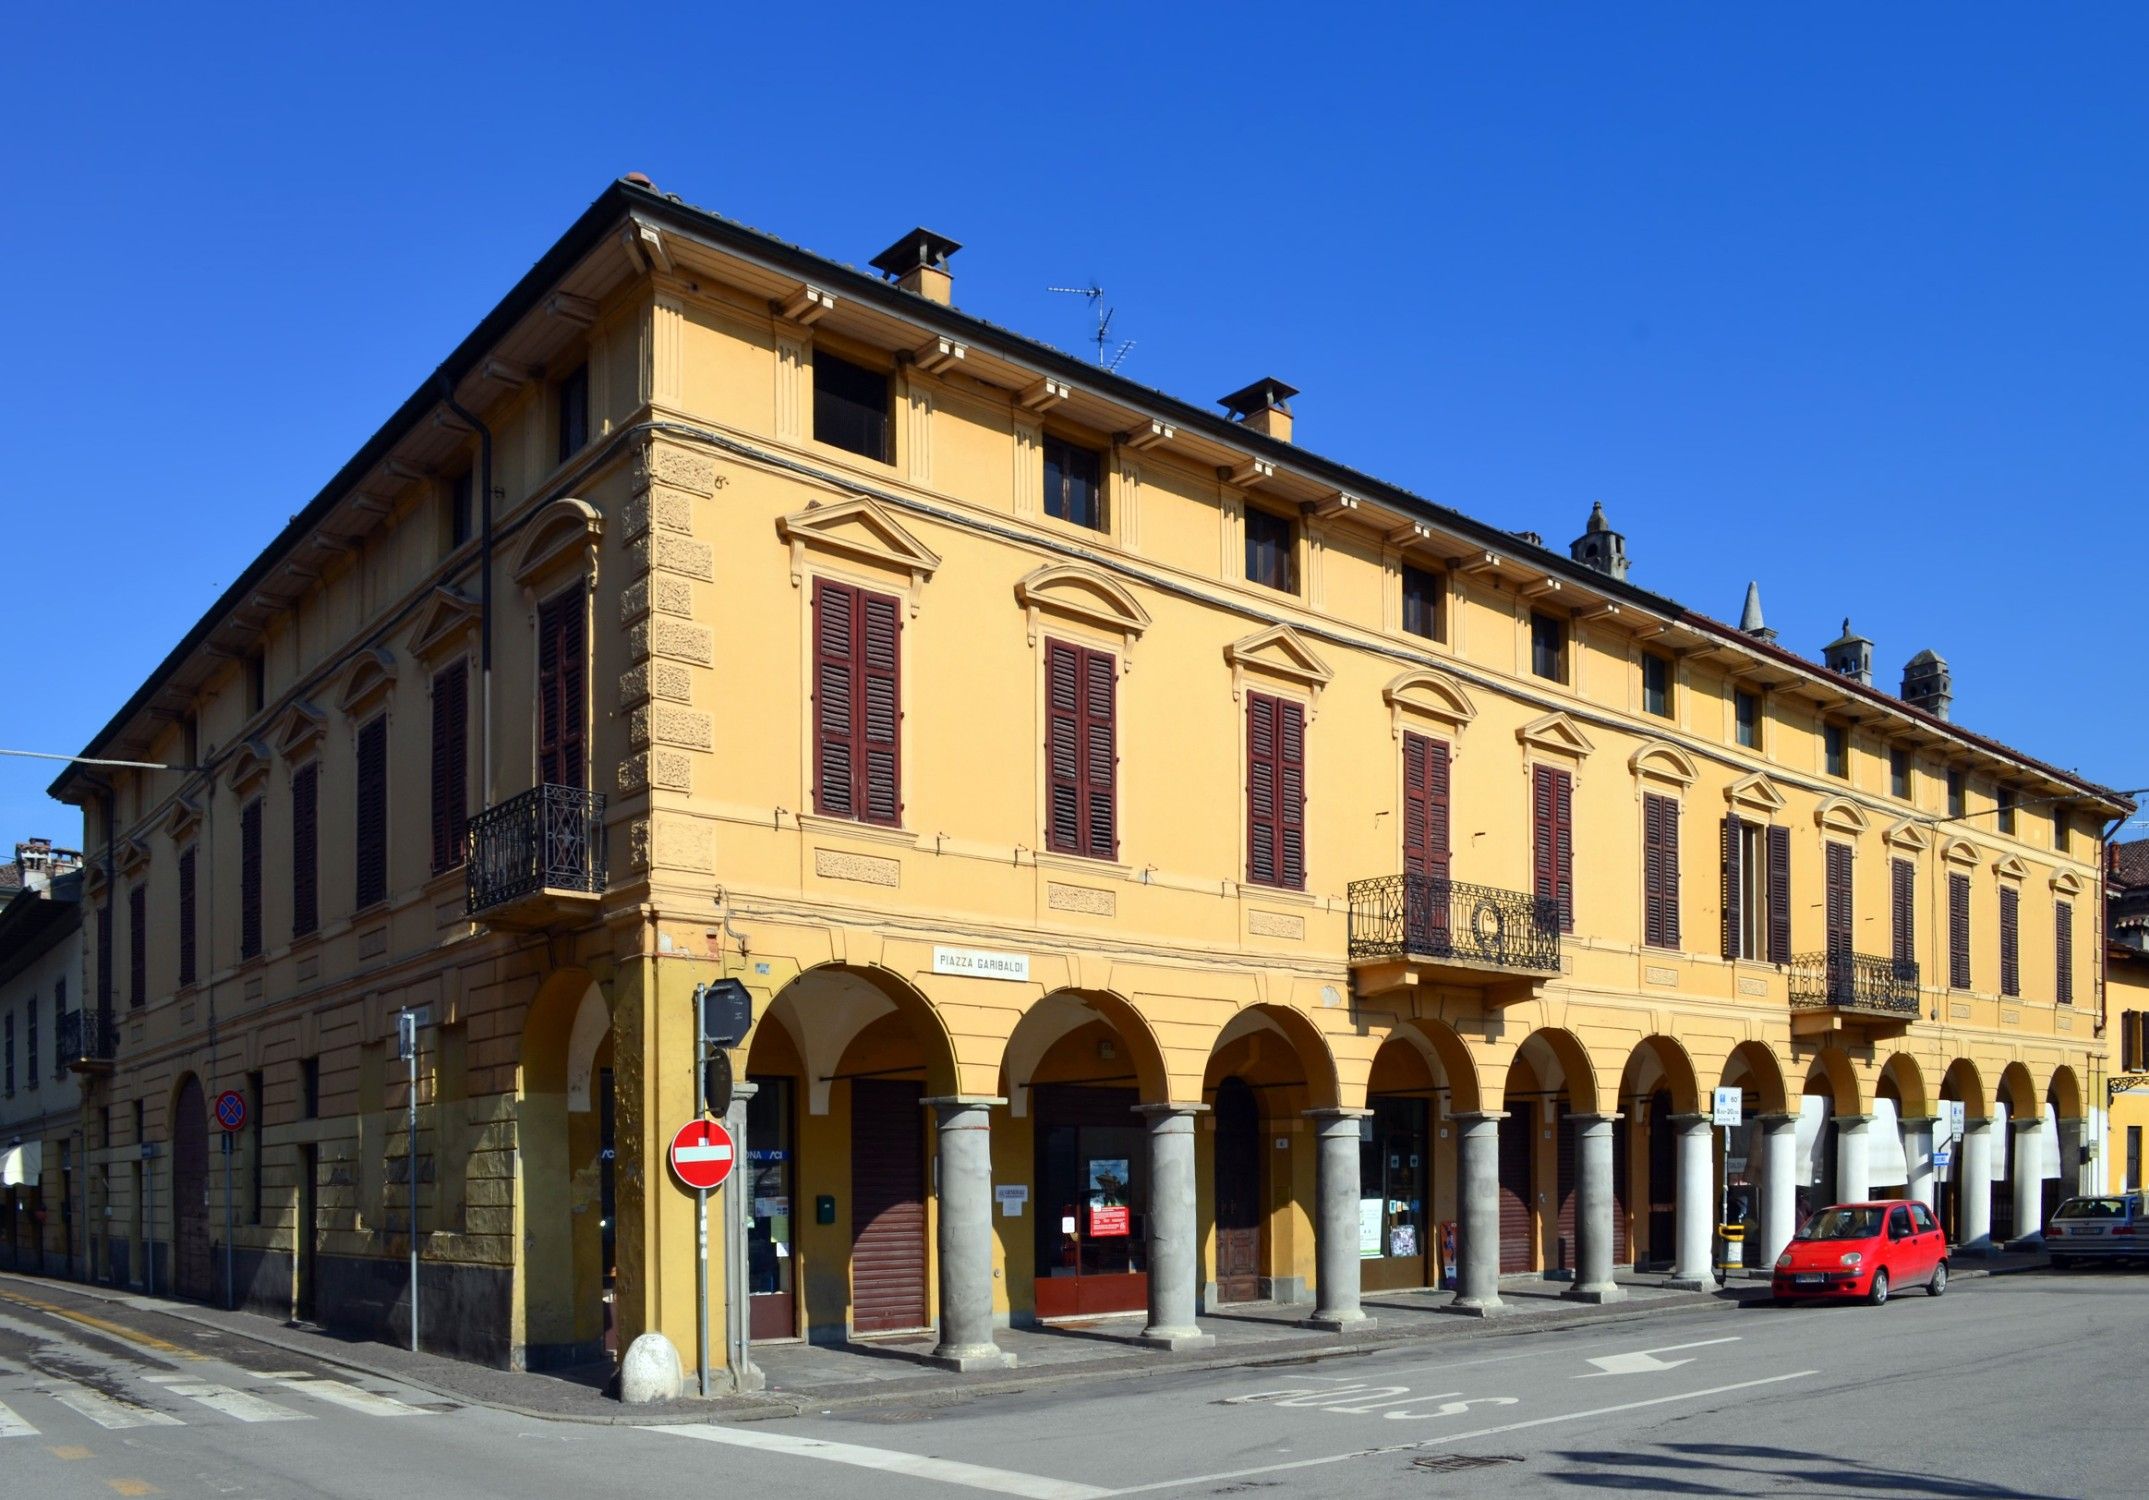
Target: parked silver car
x=2105, y=1227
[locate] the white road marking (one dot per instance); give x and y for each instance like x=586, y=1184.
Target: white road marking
x=108, y=1411
x=349, y=1397
x=237, y=1405
x=890, y=1461
x=1459, y=1437
x=12, y=1425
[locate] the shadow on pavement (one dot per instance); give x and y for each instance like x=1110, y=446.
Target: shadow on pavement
x=1744, y=1469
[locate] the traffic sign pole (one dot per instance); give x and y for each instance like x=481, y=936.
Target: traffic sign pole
x=231, y=1115
x=701, y=1199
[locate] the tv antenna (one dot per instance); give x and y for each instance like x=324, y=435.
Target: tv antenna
x=1103, y=336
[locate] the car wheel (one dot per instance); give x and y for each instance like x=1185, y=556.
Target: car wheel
x=1939, y=1283
x=1879, y=1294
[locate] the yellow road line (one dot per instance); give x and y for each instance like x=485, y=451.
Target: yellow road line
x=133, y=1487
x=69, y=1450
x=102, y=1325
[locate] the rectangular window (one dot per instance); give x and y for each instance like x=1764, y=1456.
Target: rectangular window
x=1836, y=745
x=2010, y=941
x=2134, y=1158
x=1552, y=840
x=59, y=1017
x=1074, y=487
x=2130, y=1052
x=1275, y=792
x=857, y=703
x=1959, y=931
x=2063, y=952
x=462, y=492
x=1840, y=928
x=1746, y=710
x=369, y=820
x=29, y=1041
x=1958, y=802
x=451, y=765
x=1656, y=684
x=850, y=407
x=1271, y=550
x=1081, y=754
x=309, y=1088
x=257, y=683
x=306, y=849
x=250, y=879
x=1903, y=902
x=574, y=412
x=187, y=954
x=1743, y=848
x=1421, y=602
x=1899, y=773
x=1426, y=812
x=1779, y=895
x=2004, y=799
x=2062, y=831
x=138, y=947
x=104, y=958
x=1660, y=871
x=9, y=1031
x=1548, y=647
x=562, y=662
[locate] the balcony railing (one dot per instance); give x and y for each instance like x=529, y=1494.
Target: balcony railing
x=547, y=841
x=88, y=1038
x=1862, y=982
x=1427, y=917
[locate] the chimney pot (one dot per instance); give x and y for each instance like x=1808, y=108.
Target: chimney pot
x=1928, y=684
x=1262, y=407
x=918, y=262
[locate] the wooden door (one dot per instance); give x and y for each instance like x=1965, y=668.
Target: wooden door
x=1567, y=1188
x=1622, y=1240
x=887, y=1205
x=190, y=1192
x=1663, y=1180
x=560, y=713
x=1238, y=1192
x=1518, y=1135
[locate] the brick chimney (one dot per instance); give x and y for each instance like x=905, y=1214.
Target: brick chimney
x=1928, y=684
x=918, y=262
x=1261, y=408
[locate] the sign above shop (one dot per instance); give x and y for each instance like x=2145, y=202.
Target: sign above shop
x=981, y=963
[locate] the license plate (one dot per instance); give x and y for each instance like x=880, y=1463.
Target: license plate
x=1809, y=1280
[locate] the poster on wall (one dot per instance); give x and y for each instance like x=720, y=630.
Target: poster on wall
x=1370, y=1220
x=1109, y=1214
x=1403, y=1240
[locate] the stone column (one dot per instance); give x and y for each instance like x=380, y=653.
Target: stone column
x=1477, y=1213
x=1973, y=1231
x=966, y=1238
x=1593, y=1210
x=2071, y=1171
x=1335, y=1227
x=1918, y=1157
x=1779, y=1187
x=2029, y=1155
x=1174, y=1268
x=1854, y=1170
x=1694, y=1221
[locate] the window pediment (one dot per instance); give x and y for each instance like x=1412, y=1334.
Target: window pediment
x=1666, y=761
x=563, y=535
x=1757, y=792
x=133, y=856
x=448, y=623
x=2067, y=883
x=1084, y=595
x=2009, y=867
x=1281, y=652
x=302, y=725
x=181, y=821
x=1909, y=834
x=1960, y=852
x=1556, y=733
x=1432, y=694
x=367, y=680
x=249, y=767
x=1842, y=815
x=859, y=531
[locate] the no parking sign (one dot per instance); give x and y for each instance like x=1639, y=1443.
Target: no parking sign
x=231, y=1110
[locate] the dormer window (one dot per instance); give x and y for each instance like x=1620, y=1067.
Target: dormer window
x=850, y=407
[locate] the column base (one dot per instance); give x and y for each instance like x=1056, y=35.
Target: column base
x=745, y=1382
x=1691, y=1283
x=1356, y=1322
x=1976, y=1250
x=1595, y=1293
x=965, y=1358
x=1175, y=1340
x=1475, y=1307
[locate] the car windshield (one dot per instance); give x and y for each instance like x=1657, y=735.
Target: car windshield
x=1842, y=1224
x=2092, y=1208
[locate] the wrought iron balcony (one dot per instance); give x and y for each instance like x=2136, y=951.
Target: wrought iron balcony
x=1831, y=989
x=538, y=858
x=89, y=1040
x=1405, y=929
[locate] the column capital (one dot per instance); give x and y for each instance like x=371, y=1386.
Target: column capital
x=1340, y=1113
x=1978, y=1123
x=1775, y=1118
x=1861, y=1121
x=1603, y=1118
x=1689, y=1122
x=1154, y=1111
x=2027, y=1123
x=964, y=1101
x=1479, y=1116
x=1917, y=1122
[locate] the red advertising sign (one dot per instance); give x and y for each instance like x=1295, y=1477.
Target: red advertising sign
x=1105, y=1222
x=702, y=1154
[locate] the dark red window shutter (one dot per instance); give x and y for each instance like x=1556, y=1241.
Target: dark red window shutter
x=1728, y=854
x=1903, y=894
x=1840, y=924
x=880, y=684
x=857, y=704
x=187, y=953
x=1552, y=840
x=306, y=849
x=2063, y=952
x=1660, y=871
x=250, y=880
x=561, y=669
x=2010, y=941
x=1291, y=791
x=1959, y=931
x=1425, y=806
x=451, y=765
x=1100, y=755
x=138, y=946
x=371, y=820
x=1779, y=895
x=1275, y=791
x=835, y=671
x=1081, y=751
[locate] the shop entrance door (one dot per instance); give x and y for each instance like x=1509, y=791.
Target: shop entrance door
x=1092, y=1211
x=1663, y=1180
x=190, y=1192
x=772, y=1302
x=887, y=1205
x=1238, y=1192
x=1518, y=1142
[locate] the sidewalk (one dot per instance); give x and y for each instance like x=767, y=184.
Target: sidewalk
x=817, y=1377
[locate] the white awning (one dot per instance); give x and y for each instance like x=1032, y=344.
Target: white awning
x=23, y=1165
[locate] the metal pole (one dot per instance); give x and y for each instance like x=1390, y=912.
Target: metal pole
x=701, y=1201
x=228, y=1303
x=1723, y=1210
x=149, y=1222
x=738, y=1203
x=410, y=1156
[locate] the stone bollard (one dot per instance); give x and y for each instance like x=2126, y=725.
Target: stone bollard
x=650, y=1371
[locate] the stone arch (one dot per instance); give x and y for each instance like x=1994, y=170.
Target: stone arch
x=1446, y=1055
x=1833, y=1075
x=827, y=1008
x=1061, y=1014
x=2064, y=1093
x=2019, y=1093
x=1317, y=1064
x=1676, y=1066
x=1963, y=1084
x=1577, y=1071
x=1756, y=1065
x=1902, y=1074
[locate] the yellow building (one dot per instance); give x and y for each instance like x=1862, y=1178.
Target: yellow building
x=2126, y=1006
x=1169, y=867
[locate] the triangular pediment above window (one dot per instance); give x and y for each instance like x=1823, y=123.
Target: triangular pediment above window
x=2008, y=867
x=366, y=680
x=181, y=819
x=249, y=767
x=2067, y=883
x=1757, y=792
x=1277, y=652
x=446, y=625
x=1960, y=852
x=133, y=856
x=560, y=537
x=300, y=729
x=859, y=531
x=1085, y=595
x=1557, y=734
x=1909, y=834
x=1841, y=815
x=1666, y=761
x=1434, y=695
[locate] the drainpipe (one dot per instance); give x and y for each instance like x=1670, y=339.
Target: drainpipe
x=447, y=397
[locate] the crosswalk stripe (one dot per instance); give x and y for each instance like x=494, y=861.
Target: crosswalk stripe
x=12, y=1425
x=350, y=1397
x=107, y=1411
x=237, y=1405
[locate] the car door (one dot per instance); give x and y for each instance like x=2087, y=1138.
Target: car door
x=1931, y=1243
x=1902, y=1242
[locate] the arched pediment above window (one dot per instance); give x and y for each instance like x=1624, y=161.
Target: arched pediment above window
x=1756, y=793
x=446, y=625
x=1666, y=761
x=1841, y=815
x=1085, y=595
x=1910, y=834
x=1278, y=652
x=1433, y=695
x=249, y=767
x=859, y=531
x=367, y=680
x=1960, y=852
x=1557, y=734
x=2066, y=883
x=300, y=730
x=2009, y=867
x=560, y=537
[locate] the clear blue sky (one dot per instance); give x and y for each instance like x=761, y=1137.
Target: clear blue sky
x=1849, y=299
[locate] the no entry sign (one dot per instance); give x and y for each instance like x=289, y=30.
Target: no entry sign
x=231, y=1109
x=702, y=1154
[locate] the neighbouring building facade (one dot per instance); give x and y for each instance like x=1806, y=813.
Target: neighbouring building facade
x=2126, y=959
x=40, y=989
x=1169, y=868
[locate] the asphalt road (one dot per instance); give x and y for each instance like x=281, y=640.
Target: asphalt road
x=2015, y=1386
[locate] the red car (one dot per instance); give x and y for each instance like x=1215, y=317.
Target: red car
x=1864, y=1251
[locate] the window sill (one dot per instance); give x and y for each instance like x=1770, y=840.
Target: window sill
x=822, y=826
x=1297, y=895
x=1082, y=864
